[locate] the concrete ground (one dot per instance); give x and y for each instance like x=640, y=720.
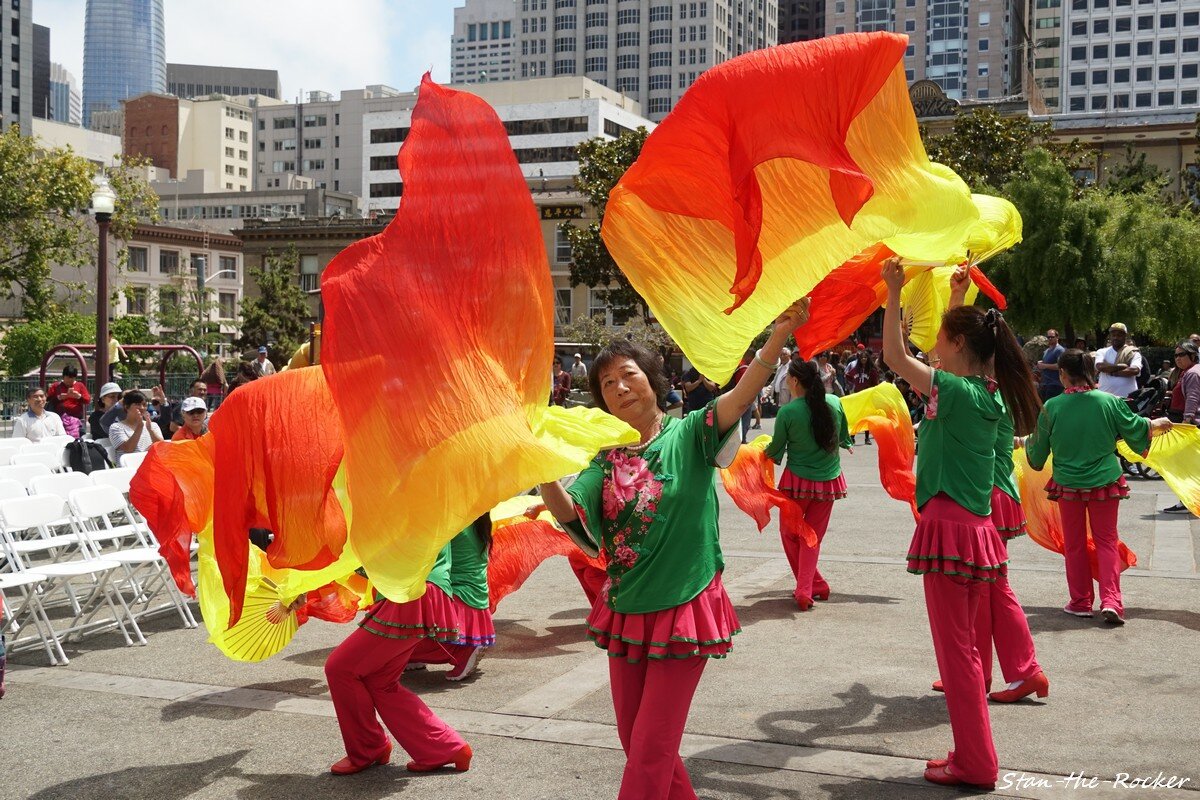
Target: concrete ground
x=834, y=703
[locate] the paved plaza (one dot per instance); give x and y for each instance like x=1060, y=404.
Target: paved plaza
x=834, y=703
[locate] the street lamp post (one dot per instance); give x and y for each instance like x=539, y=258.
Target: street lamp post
x=104, y=201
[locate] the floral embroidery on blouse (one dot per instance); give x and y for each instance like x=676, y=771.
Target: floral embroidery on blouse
x=931, y=407
x=630, y=495
x=1077, y=389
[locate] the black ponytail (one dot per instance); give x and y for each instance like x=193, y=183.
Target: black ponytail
x=483, y=529
x=818, y=410
x=989, y=338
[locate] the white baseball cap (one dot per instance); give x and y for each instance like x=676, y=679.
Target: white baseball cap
x=109, y=388
x=192, y=404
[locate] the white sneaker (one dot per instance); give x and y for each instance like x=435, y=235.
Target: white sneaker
x=1111, y=616
x=458, y=673
x=1075, y=613
x=414, y=666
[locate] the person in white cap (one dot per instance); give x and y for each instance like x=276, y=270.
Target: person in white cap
x=110, y=393
x=195, y=419
x=262, y=365
x=579, y=369
x=1119, y=364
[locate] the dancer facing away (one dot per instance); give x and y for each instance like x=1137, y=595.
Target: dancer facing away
x=652, y=508
x=469, y=553
x=1080, y=427
x=364, y=679
x=956, y=546
x=1001, y=618
x=809, y=429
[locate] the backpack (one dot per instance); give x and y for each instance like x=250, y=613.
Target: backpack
x=86, y=457
x=1144, y=376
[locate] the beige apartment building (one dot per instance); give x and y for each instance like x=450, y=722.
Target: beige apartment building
x=216, y=134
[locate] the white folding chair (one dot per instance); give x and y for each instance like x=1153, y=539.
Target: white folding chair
x=10, y=447
x=16, y=617
x=62, y=484
x=37, y=537
x=23, y=473
x=132, y=460
x=119, y=478
x=50, y=460
x=48, y=445
x=87, y=576
x=60, y=441
x=145, y=570
x=10, y=489
x=111, y=451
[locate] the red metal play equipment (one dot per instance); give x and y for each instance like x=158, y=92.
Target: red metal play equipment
x=77, y=350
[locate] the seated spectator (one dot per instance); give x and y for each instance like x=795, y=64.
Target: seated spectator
x=245, y=374
x=69, y=399
x=174, y=411
x=110, y=394
x=37, y=423
x=136, y=432
x=195, y=419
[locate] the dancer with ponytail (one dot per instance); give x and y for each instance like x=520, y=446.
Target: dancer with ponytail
x=1081, y=427
x=469, y=553
x=1002, y=619
x=364, y=680
x=810, y=429
x=652, y=508
x=956, y=547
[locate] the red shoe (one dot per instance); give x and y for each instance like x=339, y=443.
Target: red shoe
x=805, y=603
x=461, y=762
x=467, y=666
x=348, y=767
x=938, y=687
x=1038, y=683
x=821, y=594
x=942, y=776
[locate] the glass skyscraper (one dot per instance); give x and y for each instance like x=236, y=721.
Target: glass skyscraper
x=124, y=53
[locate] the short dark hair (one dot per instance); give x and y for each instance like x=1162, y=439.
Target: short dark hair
x=200, y=381
x=647, y=361
x=132, y=398
x=558, y=360
x=70, y=369
x=32, y=391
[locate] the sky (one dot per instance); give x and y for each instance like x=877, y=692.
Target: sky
x=362, y=42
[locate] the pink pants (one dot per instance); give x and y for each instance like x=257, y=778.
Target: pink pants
x=803, y=559
x=1103, y=517
x=953, y=606
x=430, y=651
x=652, y=699
x=1001, y=618
x=364, y=678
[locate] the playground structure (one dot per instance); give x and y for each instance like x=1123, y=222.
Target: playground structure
x=78, y=350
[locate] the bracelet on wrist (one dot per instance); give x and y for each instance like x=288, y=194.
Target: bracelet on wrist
x=758, y=360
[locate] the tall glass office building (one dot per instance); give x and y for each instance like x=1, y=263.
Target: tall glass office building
x=124, y=53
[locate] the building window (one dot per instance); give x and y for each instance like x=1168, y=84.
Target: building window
x=228, y=264
x=597, y=19
x=1121, y=50
x=1079, y=79
x=985, y=18
x=597, y=64
x=168, y=300
x=626, y=39
x=1121, y=75
x=629, y=61
x=660, y=13
x=659, y=36
x=135, y=301
x=227, y=305
x=564, y=67
x=1167, y=21
x=309, y=274
x=1079, y=53
x=388, y=135
x=659, y=105
x=1146, y=23
x=313, y=164
x=564, y=45
x=545, y=155
x=1100, y=51
x=910, y=25
x=229, y=133
x=659, y=82
x=1166, y=99
x=315, y=121
x=387, y=189
x=1144, y=99
x=1188, y=98
x=1145, y=48
x=628, y=85
x=562, y=307
x=1099, y=103
x=1166, y=72
x=1166, y=47
x=168, y=262
x=1189, y=70
x=1191, y=45
x=1100, y=26
x=1078, y=104
x=1145, y=74
x=1120, y=101
x=630, y=16
x=660, y=59
x=562, y=248
x=1100, y=77
x=313, y=144
x=138, y=257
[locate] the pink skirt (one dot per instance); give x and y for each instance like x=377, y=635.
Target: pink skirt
x=1117, y=490
x=703, y=627
x=799, y=488
x=475, y=626
x=951, y=540
x=431, y=616
x=1007, y=515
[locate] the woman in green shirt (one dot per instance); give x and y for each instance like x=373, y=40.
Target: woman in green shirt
x=810, y=429
x=1081, y=427
x=652, y=510
x=956, y=547
x=469, y=552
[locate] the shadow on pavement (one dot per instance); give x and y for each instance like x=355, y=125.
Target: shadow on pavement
x=1184, y=619
x=311, y=658
x=514, y=640
x=373, y=784
x=771, y=607
x=173, y=782
x=184, y=709
x=862, y=599
x=1043, y=619
x=579, y=614
x=901, y=714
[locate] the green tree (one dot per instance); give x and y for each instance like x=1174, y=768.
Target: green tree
x=1134, y=176
x=25, y=344
x=1059, y=274
x=602, y=162
x=44, y=195
x=280, y=312
x=988, y=150
x=186, y=317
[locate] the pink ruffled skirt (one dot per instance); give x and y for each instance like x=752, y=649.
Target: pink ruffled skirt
x=1117, y=490
x=951, y=540
x=703, y=627
x=431, y=616
x=799, y=488
x=1007, y=515
x=475, y=626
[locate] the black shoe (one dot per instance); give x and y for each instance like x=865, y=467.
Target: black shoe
x=1178, y=508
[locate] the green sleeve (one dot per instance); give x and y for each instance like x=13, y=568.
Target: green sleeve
x=585, y=491
x=1133, y=429
x=1037, y=447
x=714, y=449
x=779, y=440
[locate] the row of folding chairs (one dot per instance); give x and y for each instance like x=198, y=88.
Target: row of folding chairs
x=74, y=549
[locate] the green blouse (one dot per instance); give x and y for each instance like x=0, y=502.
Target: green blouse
x=468, y=568
x=655, y=513
x=1082, y=428
x=793, y=433
x=439, y=576
x=1005, y=431
x=957, y=451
